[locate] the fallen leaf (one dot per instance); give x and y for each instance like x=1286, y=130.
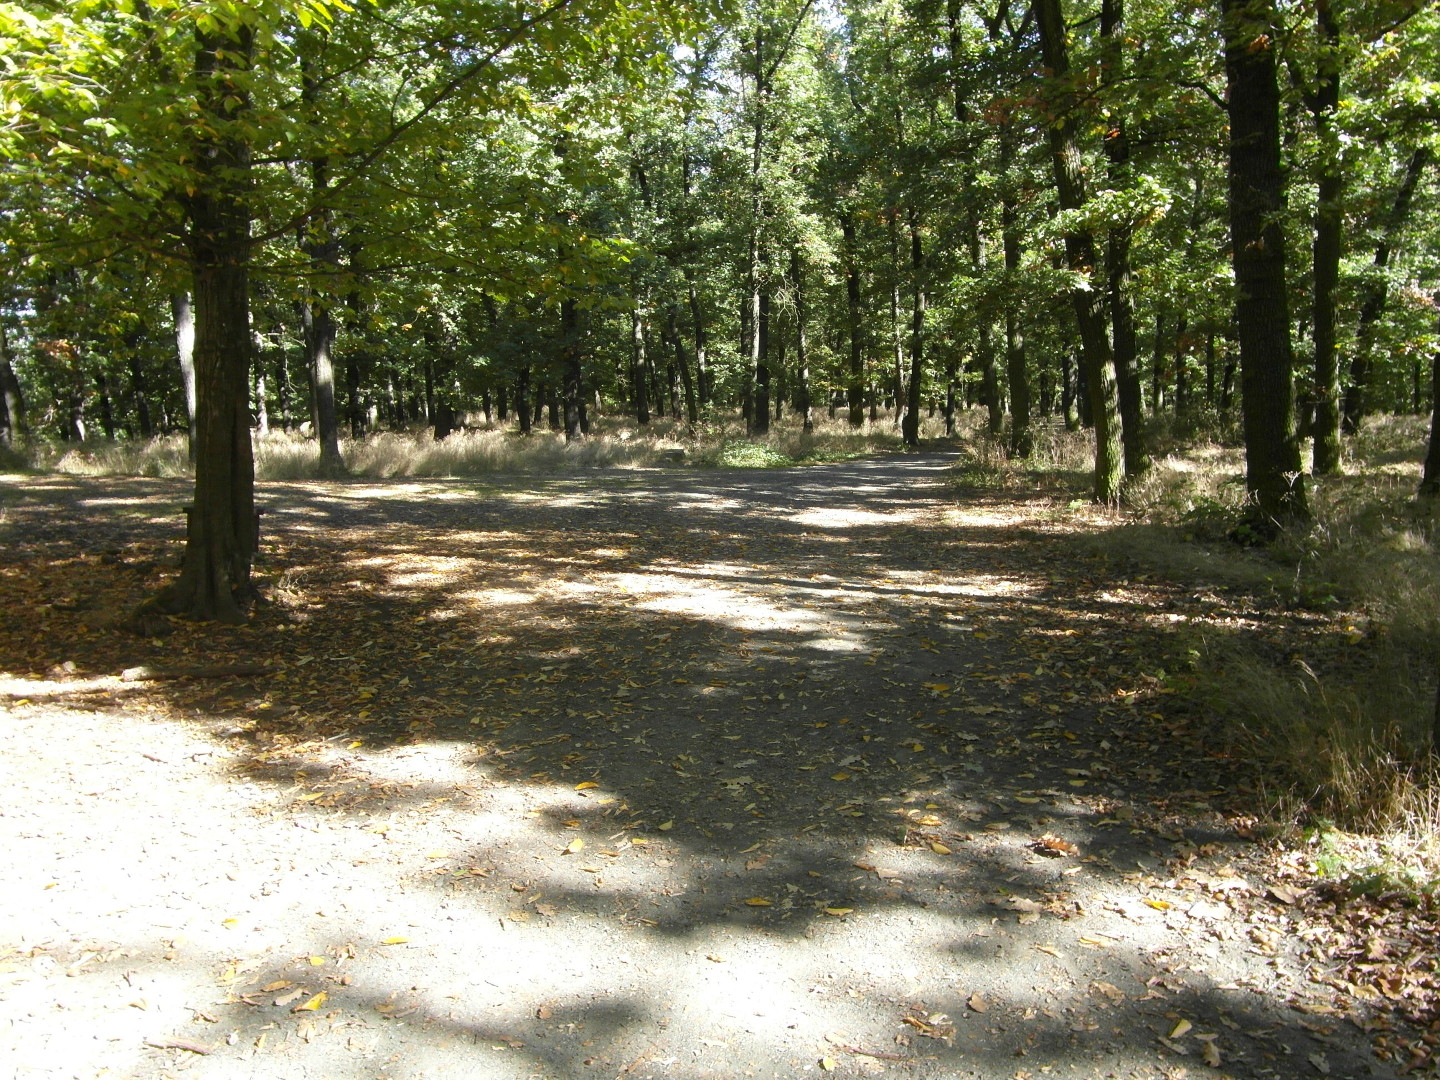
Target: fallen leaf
x=312, y=1005
x=575, y=846
x=1211, y=1053
x=1158, y=905
x=837, y=910
x=759, y=901
x=665, y=826
x=1110, y=990
x=827, y=1063
x=278, y=984
x=1181, y=1027
x=586, y=785
x=1054, y=846
x=397, y=940
x=977, y=1003
x=1287, y=894
x=939, y=848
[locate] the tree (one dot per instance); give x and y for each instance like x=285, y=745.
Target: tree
x=1273, y=475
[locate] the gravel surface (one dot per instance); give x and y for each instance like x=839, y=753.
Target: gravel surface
x=659, y=774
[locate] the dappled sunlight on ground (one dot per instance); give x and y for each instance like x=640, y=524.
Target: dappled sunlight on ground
x=738, y=775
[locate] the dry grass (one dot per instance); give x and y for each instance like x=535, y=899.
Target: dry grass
x=1344, y=738
x=614, y=443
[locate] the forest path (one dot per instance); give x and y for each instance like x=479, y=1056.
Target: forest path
x=653, y=774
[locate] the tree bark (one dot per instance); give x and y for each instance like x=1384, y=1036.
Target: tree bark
x=12, y=402
x=1117, y=256
x=571, y=371
x=910, y=429
x=1080, y=257
x=1325, y=425
x=1430, y=479
x=802, y=349
x=1273, y=476
x=637, y=368
x=183, y=312
x=855, y=384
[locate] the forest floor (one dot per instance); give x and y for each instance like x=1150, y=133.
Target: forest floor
x=650, y=774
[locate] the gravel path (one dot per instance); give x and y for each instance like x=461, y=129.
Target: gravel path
x=631, y=775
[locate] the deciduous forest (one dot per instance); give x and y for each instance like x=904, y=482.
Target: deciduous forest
x=1013, y=425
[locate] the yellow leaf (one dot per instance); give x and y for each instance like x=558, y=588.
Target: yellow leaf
x=938, y=687
x=1180, y=1029
x=840, y=776
x=278, y=984
x=928, y=819
x=665, y=826
x=395, y=941
x=1211, y=1053
x=827, y=1063
x=576, y=845
x=317, y=961
x=313, y=1004
x=639, y=841
x=586, y=785
x=939, y=848
x=1028, y=800
x=231, y=923
x=838, y=910
x=759, y=901
x=437, y=854
x=1159, y=905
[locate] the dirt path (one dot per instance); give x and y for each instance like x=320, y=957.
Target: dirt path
x=629, y=775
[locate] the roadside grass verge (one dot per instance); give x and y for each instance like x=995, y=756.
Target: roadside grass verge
x=1313, y=660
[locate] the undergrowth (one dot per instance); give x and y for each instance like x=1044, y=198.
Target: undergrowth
x=614, y=442
x=1338, y=712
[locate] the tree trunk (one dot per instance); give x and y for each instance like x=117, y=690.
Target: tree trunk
x=1430, y=479
x=910, y=429
x=184, y=315
x=1273, y=476
x=760, y=362
x=522, y=400
x=637, y=368
x=855, y=385
x=1080, y=257
x=1375, y=293
x=802, y=351
x=1325, y=425
x=571, y=373
x=222, y=535
x=682, y=363
x=705, y=388
x=12, y=402
x=1117, y=256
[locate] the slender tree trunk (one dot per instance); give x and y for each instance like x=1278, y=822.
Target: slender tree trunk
x=1376, y=292
x=1273, y=475
x=12, y=402
x=1080, y=257
x=572, y=374
x=1330, y=184
x=522, y=400
x=802, y=350
x=1118, y=269
x=687, y=379
x=855, y=385
x=637, y=368
x=222, y=535
x=760, y=363
x=282, y=389
x=1017, y=373
x=705, y=388
x=184, y=315
x=1430, y=479
x=910, y=429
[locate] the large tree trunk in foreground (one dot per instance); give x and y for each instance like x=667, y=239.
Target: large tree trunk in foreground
x=1273, y=475
x=12, y=403
x=221, y=537
x=1085, y=296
